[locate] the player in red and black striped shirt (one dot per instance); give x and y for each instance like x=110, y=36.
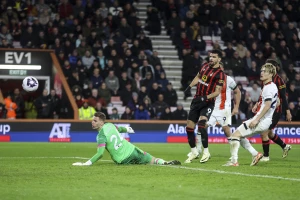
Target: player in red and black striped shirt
x=209, y=81
x=276, y=117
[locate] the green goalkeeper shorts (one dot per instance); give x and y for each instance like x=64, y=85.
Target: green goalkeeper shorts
x=137, y=157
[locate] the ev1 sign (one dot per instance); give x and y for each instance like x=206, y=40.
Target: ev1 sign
x=17, y=57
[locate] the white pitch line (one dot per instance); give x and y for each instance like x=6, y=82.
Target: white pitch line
x=232, y=173
x=172, y=166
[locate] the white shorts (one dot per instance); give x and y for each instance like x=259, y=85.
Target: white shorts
x=261, y=127
x=220, y=117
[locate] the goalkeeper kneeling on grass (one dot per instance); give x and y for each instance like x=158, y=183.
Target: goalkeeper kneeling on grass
x=120, y=150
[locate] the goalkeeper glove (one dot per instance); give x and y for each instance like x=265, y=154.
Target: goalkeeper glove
x=129, y=129
x=87, y=163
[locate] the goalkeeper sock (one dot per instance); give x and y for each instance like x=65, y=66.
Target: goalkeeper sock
x=159, y=161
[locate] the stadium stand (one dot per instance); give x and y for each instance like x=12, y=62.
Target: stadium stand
x=110, y=49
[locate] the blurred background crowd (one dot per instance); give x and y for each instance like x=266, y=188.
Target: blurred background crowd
x=106, y=54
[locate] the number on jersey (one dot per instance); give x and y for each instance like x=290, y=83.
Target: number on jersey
x=117, y=141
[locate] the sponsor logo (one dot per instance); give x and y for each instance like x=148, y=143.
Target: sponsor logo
x=60, y=132
x=206, y=84
x=4, y=128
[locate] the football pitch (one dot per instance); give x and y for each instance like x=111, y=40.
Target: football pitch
x=44, y=171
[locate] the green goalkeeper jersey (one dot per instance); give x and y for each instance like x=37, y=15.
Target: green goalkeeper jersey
x=110, y=138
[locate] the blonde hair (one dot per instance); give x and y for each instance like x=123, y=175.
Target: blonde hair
x=270, y=68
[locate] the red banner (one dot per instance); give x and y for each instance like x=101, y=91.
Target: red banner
x=4, y=138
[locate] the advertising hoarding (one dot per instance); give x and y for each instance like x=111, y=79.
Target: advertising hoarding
x=144, y=132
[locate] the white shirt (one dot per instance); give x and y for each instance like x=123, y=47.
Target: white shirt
x=269, y=91
x=223, y=100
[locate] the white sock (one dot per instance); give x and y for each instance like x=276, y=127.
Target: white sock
x=205, y=150
x=194, y=150
x=234, y=148
x=246, y=145
x=199, y=142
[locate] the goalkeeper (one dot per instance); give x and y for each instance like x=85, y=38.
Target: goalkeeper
x=120, y=150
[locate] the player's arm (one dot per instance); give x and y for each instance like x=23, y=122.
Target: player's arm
x=126, y=129
x=193, y=83
x=265, y=109
x=215, y=93
x=237, y=100
x=282, y=92
x=220, y=82
x=95, y=158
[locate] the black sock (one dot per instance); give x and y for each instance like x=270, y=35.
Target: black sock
x=278, y=141
x=266, y=147
x=191, y=137
x=204, y=137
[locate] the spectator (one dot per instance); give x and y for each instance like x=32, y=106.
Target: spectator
x=149, y=107
x=5, y=35
x=55, y=104
x=65, y=9
x=114, y=115
x=43, y=106
x=2, y=111
x=8, y=15
x=228, y=34
x=293, y=94
x=100, y=108
x=160, y=106
x=115, y=9
x=163, y=81
x=30, y=109
x=154, y=60
x=170, y=95
x=145, y=44
x=105, y=93
x=153, y=22
x=127, y=115
x=86, y=112
x=237, y=65
x=134, y=102
x=79, y=100
x=146, y=68
x=18, y=99
x=255, y=92
x=88, y=59
x=142, y=93
x=254, y=72
x=141, y=113
x=10, y=107
x=167, y=114
x=180, y=113
x=112, y=83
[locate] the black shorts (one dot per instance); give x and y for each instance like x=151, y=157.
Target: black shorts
x=200, y=109
x=275, y=119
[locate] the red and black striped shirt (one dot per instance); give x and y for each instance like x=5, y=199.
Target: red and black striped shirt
x=280, y=85
x=209, y=79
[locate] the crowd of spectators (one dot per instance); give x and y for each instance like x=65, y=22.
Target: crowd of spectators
x=104, y=51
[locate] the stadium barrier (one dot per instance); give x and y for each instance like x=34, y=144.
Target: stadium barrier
x=145, y=131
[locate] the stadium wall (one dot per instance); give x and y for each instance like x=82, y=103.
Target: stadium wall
x=146, y=131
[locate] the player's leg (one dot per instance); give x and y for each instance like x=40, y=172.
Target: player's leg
x=139, y=156
x=205, y=114
x=265, y=146
x=276, y=139
x=190, y=127
x=244, y=142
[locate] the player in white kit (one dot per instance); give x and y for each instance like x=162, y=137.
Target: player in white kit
x=262, y=120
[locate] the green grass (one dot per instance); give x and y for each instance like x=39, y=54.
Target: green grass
x=30, y=171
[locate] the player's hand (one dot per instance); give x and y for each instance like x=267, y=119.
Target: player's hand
x=288, y=116
x=129, y=129
x=187, y=91
x=87, y=163
x=234, y=111
x=78, y=164
x=254, y=108
x=253, y=123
